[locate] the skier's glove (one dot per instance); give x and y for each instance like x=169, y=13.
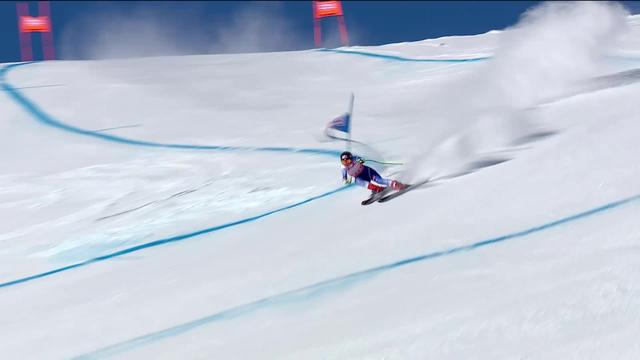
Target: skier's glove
x=347, y=180
x=361, y=161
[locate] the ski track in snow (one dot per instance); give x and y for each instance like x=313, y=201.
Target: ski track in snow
x=303, y=293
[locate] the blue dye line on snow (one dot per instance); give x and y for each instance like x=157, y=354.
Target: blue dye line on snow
x=167, y=240
x=42, y=117
x=400, y=58
x=320, y=288
x=432, y=60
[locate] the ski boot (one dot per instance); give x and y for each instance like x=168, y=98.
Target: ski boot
x=374, y=188
x=397, y=185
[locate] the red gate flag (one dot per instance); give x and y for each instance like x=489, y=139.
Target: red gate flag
x=34, y=24
x=326, y=8
x=27, y=25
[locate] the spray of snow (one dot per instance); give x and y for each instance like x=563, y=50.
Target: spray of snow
x=141, y=32
x=257, y=28
x=553, y=47
x=138, y=32
x=551, y=50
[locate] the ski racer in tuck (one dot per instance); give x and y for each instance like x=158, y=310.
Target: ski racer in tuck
x=353, y=168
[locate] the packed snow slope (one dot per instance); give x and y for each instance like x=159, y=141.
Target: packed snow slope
x=188, y=207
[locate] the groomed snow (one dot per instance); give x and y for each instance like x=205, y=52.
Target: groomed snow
x=116, y=243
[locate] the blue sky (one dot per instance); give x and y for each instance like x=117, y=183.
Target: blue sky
x=102, y=29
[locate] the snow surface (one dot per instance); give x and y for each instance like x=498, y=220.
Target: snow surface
x=242, y=243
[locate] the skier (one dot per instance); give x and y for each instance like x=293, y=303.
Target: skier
x=353, y=168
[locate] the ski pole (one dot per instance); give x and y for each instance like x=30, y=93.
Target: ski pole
x=384, y=163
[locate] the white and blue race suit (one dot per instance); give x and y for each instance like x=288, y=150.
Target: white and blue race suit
x=362, y=174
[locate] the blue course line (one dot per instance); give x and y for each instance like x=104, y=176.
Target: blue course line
x=400, y=58
x=42, y=117
x=167, y=240
x=323, y=287
x=405, y=59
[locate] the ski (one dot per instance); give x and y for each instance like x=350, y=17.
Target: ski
x=375, y=197
x=395, y=194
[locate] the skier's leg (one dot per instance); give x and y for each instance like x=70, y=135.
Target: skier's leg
x=395, y=185
x=361, y=182
x=364, y=180
x=375, y=177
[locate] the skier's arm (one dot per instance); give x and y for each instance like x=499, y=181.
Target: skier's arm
x=345, y=177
